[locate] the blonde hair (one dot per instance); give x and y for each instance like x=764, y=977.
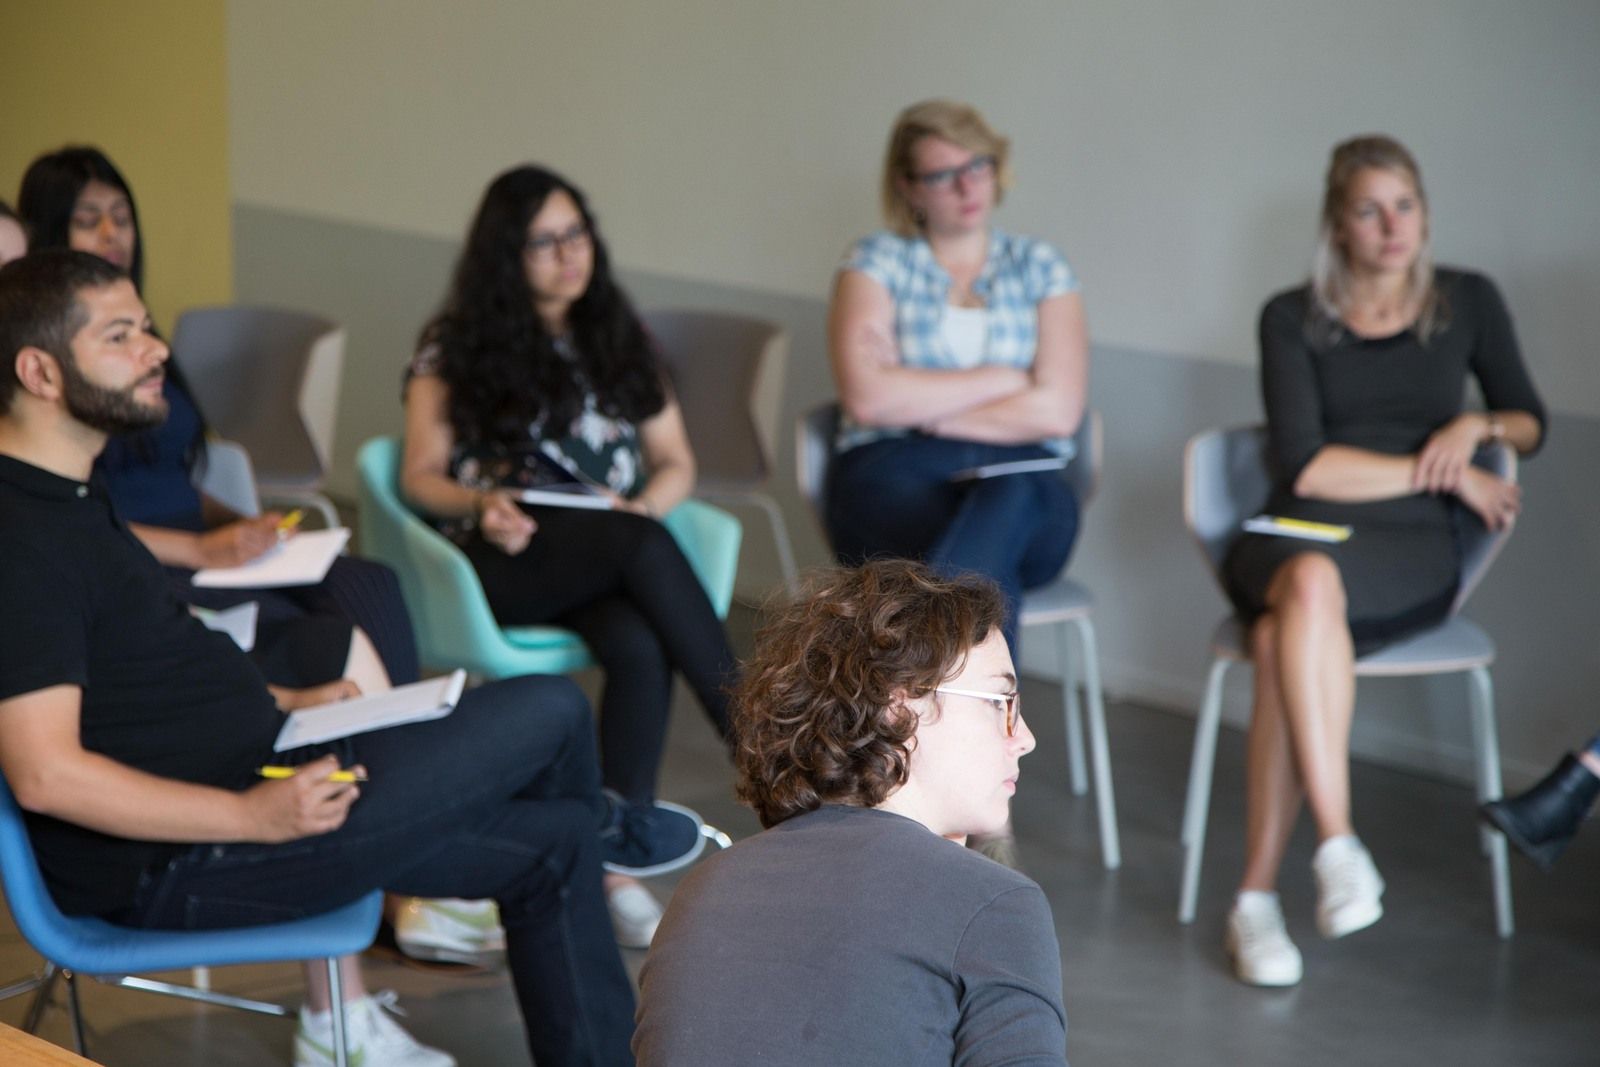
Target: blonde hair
x=948, y=120
x=1330, y=272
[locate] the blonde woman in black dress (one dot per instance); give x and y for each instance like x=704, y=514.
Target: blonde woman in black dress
x=1363, y=376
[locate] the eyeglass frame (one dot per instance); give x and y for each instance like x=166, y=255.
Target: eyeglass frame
x=1005, y=701
x=544, y=247
x=983, y=166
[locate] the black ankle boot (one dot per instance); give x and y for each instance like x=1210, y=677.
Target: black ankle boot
x=1541, y=821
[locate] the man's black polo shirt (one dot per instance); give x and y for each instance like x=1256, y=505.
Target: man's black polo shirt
x=85, y=604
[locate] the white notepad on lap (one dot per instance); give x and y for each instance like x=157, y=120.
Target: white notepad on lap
x=418, y=702
x=303, y=559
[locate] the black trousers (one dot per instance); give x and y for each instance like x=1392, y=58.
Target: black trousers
x=498, y=799
x=622, y=583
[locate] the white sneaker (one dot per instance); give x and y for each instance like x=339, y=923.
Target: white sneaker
x=457, y=931
x=635, y=914
x=374, y=1039
x=1260, y=946
x=1348, y=887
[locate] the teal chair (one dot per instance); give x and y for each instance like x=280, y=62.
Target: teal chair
x=454, y=625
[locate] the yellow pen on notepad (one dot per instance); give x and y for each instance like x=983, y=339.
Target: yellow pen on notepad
x=290, y=772
x=1283, y=526
x=290, y=522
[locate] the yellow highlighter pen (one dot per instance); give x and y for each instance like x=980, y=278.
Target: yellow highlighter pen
x=290, y=772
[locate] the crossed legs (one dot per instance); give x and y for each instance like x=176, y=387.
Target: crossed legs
x=1299, y=741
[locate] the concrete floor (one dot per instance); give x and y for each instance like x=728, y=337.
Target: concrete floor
x=1430, y=984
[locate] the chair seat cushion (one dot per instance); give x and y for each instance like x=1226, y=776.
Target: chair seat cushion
x=1455, y=645
x=542, y=638
x=1059, y=601
x=93, y=946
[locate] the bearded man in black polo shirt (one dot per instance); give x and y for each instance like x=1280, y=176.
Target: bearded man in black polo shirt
x=130, y=733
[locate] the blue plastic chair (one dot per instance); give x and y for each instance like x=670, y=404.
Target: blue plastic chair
x=454, y=625
x=114, y=954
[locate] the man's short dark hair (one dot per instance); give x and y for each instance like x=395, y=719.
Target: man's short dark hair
x=39, y=306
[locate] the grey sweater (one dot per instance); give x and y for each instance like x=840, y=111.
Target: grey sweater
x=853, y=936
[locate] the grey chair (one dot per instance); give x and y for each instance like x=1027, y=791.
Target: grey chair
x=228, y=477
x=728, y=374
x=1225, y=481
x=269, y=379
x=1065, y=605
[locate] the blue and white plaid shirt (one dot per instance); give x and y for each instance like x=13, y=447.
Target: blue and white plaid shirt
x=1018, y=274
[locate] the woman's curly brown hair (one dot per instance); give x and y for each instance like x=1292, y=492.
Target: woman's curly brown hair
x=817, y=713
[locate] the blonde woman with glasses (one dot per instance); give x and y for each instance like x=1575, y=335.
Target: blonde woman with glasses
x=955, y=345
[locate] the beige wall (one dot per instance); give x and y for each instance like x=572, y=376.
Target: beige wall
x=147, y=83
x=1173, y=150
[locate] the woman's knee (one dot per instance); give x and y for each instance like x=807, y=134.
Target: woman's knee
x=1310, y=581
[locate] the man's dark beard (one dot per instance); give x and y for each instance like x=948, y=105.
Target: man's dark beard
x=111, y=411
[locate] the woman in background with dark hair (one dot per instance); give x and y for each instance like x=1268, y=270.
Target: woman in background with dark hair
x=877, y=724
x=77, y=198
x=537, y=369
x=13, y=235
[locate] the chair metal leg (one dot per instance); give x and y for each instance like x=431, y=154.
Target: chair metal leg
x=1071, y=713
x=75, y=1010
x=780, y=540
x=1197, y=807
x=25, y=985
x=1486, y=737
x=1099, y=747
x=41, y=1000
x=780, y=530
x=183, y=992
x=336, y=1004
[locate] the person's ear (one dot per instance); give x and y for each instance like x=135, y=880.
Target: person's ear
x=39, y=372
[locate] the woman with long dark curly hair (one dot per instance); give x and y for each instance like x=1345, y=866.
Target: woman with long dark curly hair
x=537, y=369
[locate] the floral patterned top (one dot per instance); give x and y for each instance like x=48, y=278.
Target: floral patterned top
x=596, y=448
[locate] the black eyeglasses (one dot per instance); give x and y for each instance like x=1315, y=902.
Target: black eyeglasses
x=973, y=169
x=544, y=246
x=1003, y=702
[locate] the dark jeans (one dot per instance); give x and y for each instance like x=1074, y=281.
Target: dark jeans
x=356, y=591
x=498, y=799
x=894, y=498
x=623, y=584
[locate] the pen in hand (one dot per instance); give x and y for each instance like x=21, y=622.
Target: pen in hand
x=290, y=522
x=289, y=772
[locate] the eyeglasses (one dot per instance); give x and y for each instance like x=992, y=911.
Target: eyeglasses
x=1006, y=702
x=975, y=169
x=543, y=247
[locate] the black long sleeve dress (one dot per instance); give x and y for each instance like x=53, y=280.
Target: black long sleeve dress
x=1325, y=386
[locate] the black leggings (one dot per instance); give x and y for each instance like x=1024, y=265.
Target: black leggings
x=622, y=583
x=356, y=591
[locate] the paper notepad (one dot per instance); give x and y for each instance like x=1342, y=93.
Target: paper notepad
x=238, y=622
x=566, y=495
x=303, y=559
x=1278, y=526
x=1016, y=466
x=417, y=702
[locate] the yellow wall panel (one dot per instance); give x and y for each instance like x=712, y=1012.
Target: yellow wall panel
x=147, y=83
